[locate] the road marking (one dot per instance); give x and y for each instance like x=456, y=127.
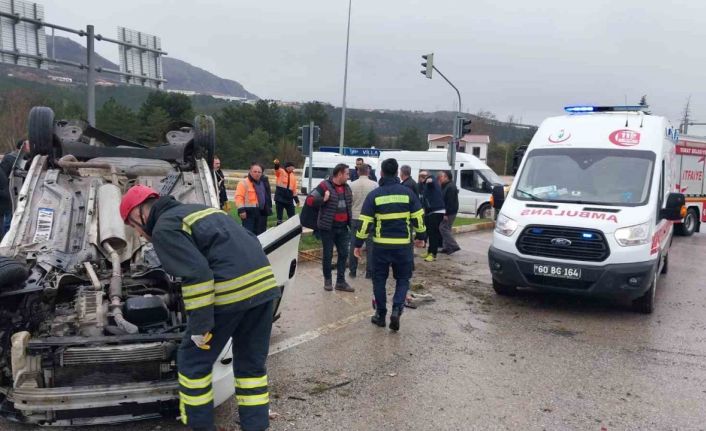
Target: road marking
x=316, y=333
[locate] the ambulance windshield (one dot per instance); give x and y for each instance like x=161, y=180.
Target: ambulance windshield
x=587, y=176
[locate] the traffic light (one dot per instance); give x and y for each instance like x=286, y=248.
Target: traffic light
x=462, y=127
x=428, y=65
x=317, y=133
x=303, y=140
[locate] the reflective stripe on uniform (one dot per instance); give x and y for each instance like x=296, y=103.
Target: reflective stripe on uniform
x=250, y=382
x=245, y=286
x=201, y=383
x=392, y=199
x=196, y=216
x=196, y=400
x=419, y=216
x=253, y=400
x=392, y=216
x=362, y=233
x=198, y=295
x=381, y=240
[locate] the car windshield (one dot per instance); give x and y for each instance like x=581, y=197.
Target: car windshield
x=491, y=176
x=587, y=176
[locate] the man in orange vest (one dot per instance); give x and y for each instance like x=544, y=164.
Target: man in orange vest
x=286, y=190
x=253, y=198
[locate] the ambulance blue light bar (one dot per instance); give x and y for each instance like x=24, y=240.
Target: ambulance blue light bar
x=580, y=109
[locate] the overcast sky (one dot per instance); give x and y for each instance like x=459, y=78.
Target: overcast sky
x=511, y=57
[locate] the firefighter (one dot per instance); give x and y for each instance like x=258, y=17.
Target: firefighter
x=390, y=210
x=228, y=289
x=285, y=190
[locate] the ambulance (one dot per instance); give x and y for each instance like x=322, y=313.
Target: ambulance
x=592, y=208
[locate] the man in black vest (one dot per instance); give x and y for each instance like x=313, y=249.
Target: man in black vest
x=335, y=199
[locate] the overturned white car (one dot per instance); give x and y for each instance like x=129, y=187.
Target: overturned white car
x=89, y=321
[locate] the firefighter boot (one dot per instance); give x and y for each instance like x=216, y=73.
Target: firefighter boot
x=395, y=318
x=378, y=319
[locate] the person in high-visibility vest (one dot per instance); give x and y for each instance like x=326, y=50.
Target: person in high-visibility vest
x=286, y=190
x=391, y=212
x=228, y=290
x=253, y=199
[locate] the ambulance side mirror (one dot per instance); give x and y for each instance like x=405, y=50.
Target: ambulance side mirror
x=498, y=196
x=673, y=210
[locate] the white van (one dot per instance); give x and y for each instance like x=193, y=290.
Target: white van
x=323, y=165
x=474, y=179
x=592, y=207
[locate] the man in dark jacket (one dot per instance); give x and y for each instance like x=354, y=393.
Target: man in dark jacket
x=406, y=178
x=335, y=199
x=353, y=172
x=10, y=162
x=450, y=194
x=434, y=209
x=220, y=182
x=228, y=289
x=390, y=211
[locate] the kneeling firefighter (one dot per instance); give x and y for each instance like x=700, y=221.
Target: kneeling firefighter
x=228, y=288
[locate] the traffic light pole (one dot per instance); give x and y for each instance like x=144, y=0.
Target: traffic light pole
x=311, y=153
x=458, y=132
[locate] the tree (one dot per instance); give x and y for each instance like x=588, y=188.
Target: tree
x=643, y=100
x=155, y=127
x=354, y=137
x=177, y=106
x=411, y=139
x=118, y=120
x=257, y=147
x=372, y=138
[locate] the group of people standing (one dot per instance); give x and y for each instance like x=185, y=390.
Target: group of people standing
x=383, y=215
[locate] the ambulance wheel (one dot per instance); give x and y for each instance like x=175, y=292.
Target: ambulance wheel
x=205, y=138
x=504, y=289
x=41, y=131
x=646, y=303
x=688, y=225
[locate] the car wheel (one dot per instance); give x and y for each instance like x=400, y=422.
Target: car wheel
x=205, y=138
x=41, y=131
x=485, y=212
x=12, y=273
x=646, y=303
x=688, y=225
x=504, y=289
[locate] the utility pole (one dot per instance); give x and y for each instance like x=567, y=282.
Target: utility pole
x=345, y=82
x=311, y=153
x=91, y=76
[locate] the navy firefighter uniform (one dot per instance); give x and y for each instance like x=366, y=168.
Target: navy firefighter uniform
x=228, y=289
x=390, y=212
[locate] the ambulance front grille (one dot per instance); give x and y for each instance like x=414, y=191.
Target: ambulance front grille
x=563, y=243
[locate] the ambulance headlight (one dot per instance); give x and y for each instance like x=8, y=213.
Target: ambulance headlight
x=633, y=235
x=505, y=225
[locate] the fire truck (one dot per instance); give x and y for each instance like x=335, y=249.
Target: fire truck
x=691, y=165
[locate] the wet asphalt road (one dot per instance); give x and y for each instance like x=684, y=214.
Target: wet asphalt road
x=473, y=360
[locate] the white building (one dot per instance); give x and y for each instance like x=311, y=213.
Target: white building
x=476, y=145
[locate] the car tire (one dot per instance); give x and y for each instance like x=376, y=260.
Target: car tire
x=646, y=303
x=504, y=289
x=12, y=272
x=41, y=131
x=485, y=211
x=205, y=138
x=688, y=225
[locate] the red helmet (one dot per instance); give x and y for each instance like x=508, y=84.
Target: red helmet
x=134, y=198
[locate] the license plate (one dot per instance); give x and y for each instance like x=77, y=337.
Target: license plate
x=45, y=221
x=557, y=271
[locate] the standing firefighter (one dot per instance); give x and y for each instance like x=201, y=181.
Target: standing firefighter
x=286, y=190
x=389, y=210
x=228, y=288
